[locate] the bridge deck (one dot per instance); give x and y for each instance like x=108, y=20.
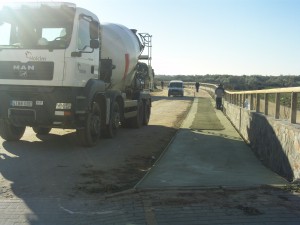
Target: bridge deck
x=208, y=152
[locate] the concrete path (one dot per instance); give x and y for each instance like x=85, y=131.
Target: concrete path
x=208, y=158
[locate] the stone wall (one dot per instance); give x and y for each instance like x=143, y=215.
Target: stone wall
x=275, y=142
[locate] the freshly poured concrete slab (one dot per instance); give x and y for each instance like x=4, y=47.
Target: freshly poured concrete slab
x=208, y=158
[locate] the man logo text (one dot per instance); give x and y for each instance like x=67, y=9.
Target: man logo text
x=23, y=67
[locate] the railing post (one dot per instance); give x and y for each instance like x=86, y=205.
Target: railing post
x=243, y=100
x=251, y=101
x=266, y=104
x=234, y=99
x=277, y=106
x=293, y=107
x=257, y=102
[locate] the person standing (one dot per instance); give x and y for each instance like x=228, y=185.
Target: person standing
x=162, y=84
x=219, y=92
x=197, y=85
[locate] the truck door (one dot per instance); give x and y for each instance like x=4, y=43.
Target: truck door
x=86, y=58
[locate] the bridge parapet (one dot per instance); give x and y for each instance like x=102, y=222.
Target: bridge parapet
x=269, y=124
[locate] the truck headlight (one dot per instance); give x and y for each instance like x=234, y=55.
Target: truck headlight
x=63, y=106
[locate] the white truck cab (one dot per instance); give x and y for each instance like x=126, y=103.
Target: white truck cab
x=61, y=68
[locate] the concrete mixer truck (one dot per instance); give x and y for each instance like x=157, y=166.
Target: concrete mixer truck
x=61, y=68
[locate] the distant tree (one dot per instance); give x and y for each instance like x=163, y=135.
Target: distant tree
x=253, y=82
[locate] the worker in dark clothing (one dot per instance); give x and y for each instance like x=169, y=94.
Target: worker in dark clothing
x=197, y=85
x=219, y=92
x=162, y=84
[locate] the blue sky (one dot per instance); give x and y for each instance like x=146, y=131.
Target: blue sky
x=197, y=37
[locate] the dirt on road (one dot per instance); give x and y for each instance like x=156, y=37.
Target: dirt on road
x=55, y=166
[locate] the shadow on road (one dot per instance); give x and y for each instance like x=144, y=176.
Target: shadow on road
x=55, y=167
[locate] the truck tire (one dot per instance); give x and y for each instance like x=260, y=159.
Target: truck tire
x=41, y=130
x=10, y=132
x=111, y=129
x=90, y=134
x=137, y=121
x=147, y=112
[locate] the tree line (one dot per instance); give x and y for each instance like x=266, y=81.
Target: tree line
x=231, y=82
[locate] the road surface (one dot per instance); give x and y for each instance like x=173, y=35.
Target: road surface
x=55, y=165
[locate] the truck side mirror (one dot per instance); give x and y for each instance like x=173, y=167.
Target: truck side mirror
x=94, y=44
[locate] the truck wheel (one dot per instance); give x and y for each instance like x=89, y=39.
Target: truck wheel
x=41, y=130
x=147, y=112
x=10, y=132
x=137, y=121
x=114, y=123
x=90, y=135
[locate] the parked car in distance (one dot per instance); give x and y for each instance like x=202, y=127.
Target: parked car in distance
x=176, y=88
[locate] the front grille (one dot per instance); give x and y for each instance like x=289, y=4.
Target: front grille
x=26, y=71
x=22, y=116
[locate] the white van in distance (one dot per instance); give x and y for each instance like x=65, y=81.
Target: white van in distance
x=176, y=88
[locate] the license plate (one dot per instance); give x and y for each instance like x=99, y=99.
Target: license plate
x=21, y=103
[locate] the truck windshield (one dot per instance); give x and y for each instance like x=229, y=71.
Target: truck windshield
x=40, y=27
